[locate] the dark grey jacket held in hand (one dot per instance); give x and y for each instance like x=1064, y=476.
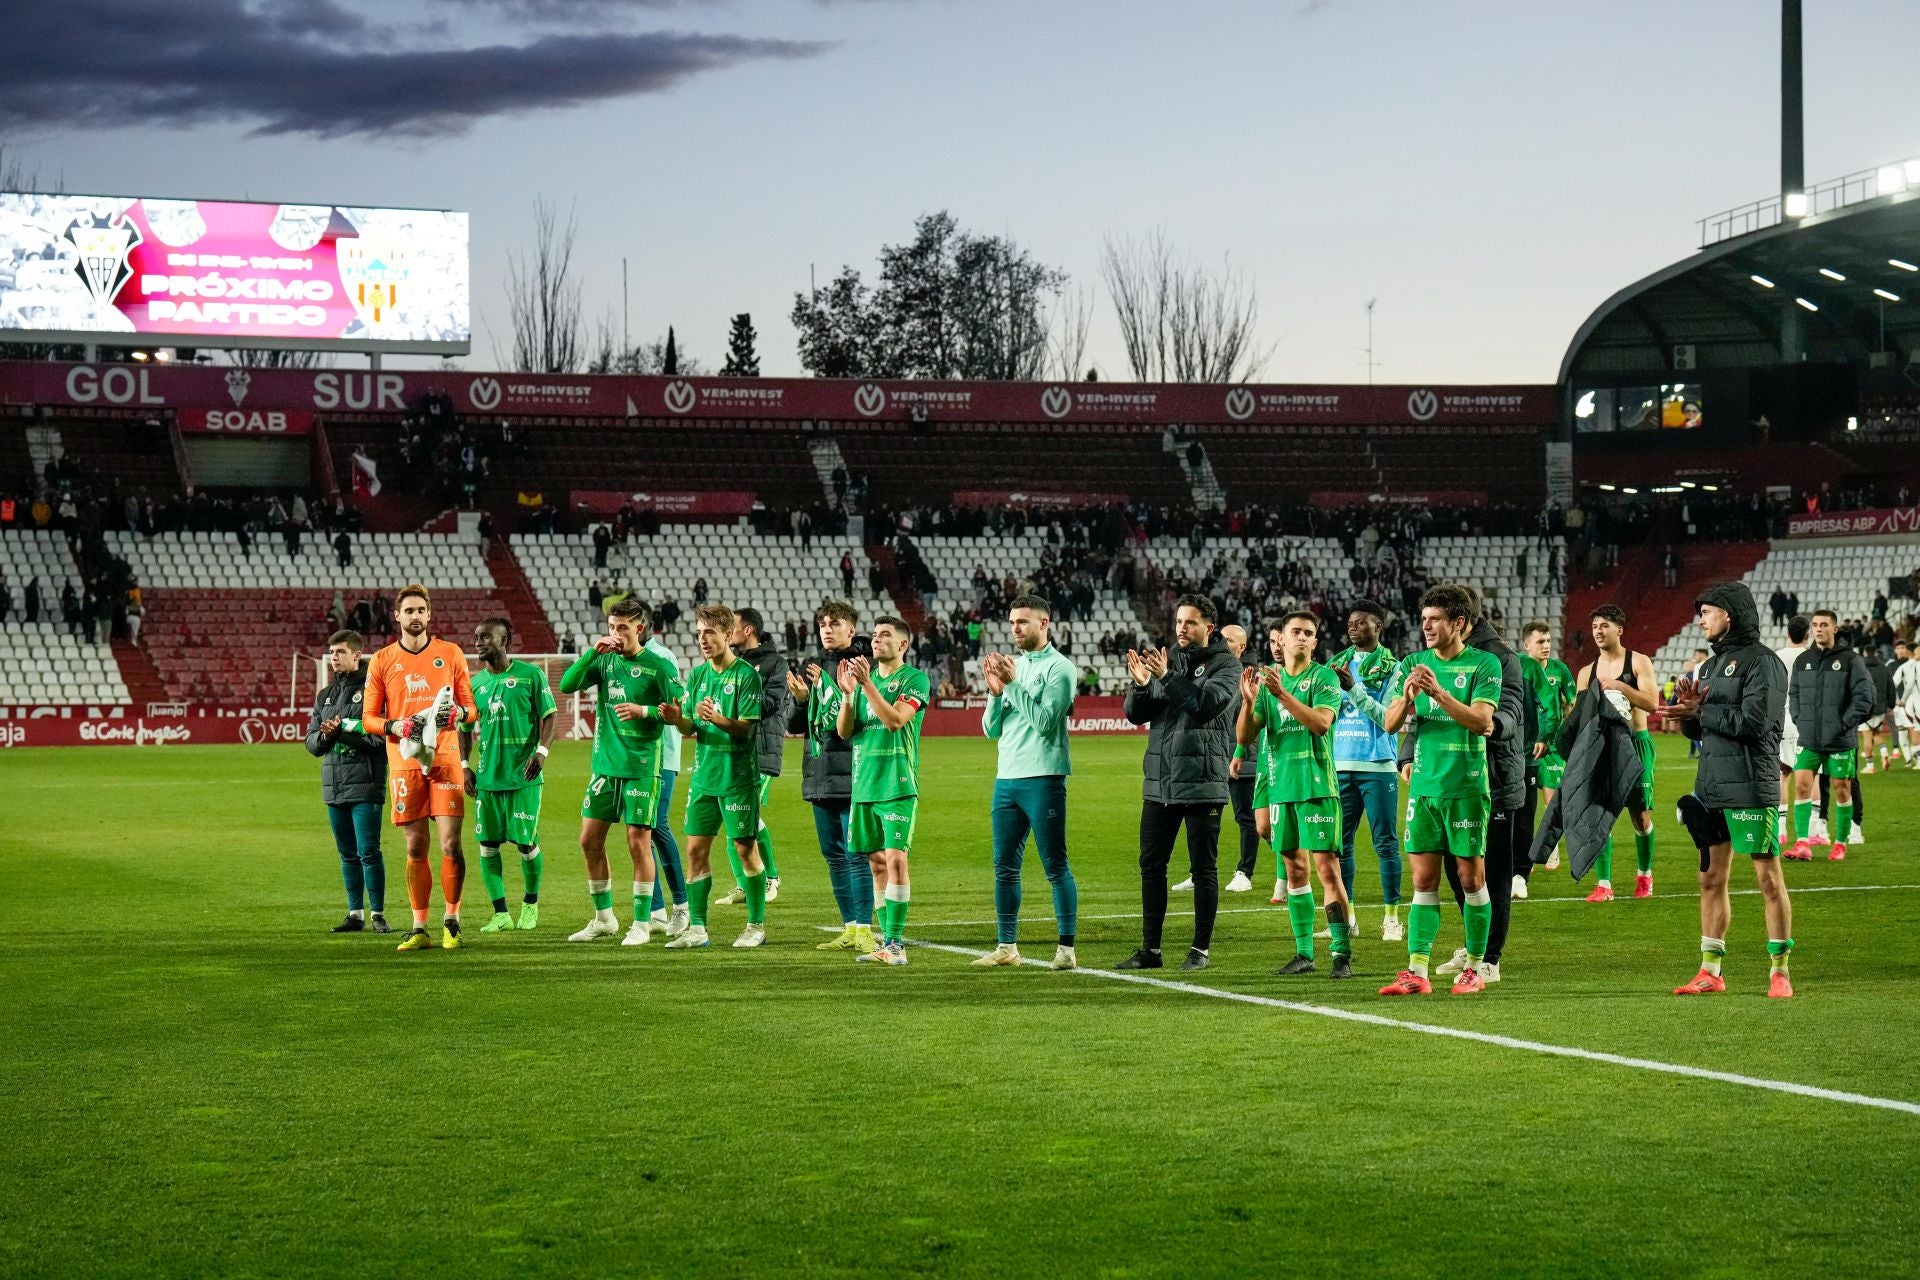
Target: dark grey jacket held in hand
x=1602, y=774
x=1513, y=722
x=353, y=768
x=776, y=701
x=1191, y=711
x=826, y=758
x=1745, y=693
x=1831, y=696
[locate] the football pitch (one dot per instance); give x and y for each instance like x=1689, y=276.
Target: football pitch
x=197, y=1078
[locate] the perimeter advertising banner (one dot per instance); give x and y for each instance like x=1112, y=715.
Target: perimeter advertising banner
x=1516, y=410
x=220, y=273
x=1855, y=524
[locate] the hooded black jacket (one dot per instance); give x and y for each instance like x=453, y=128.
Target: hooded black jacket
x=1190, y=711
x=1602, y=776
x=353, y=767
x=826, y=758
x=1831, y=696
x=776, y=701
x=1739, y=723
x=1514, y=722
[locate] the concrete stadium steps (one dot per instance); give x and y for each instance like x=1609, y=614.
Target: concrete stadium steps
x=1660, y=619
x=256, y=648
x=532, y=632
x=141, y=676
x=381, y=562
x=40, y=664
x=905, y=596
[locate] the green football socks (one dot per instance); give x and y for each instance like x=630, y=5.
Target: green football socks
x=739, y=871
x=492, y=877
x=601, y=891
x=1603, y=865
x=765, y=837
x=1842, y=822
x=757, y=898
x=1777, y=949
x=532, y=863
x=898, y=895
x=1802, y=818
x=1341, y=929
x=1423, y=926
x=1476, y=917
x=1300, y=916
x=699, y=889
x=1712, y=952
x=1643, y=852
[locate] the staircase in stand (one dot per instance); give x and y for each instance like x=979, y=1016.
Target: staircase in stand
x=142, y=678
x=1656, y=613
x=531, y=631
x=905, y=597
x=826, y=459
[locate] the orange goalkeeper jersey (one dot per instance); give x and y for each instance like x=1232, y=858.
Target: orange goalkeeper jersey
x=400, y=684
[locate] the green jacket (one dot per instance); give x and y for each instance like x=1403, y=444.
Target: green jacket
x=1029, y=718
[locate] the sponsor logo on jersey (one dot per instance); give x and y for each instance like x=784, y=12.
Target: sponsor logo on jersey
x=736, y=807
x=518, y=816
x=418, y=684
x=1465, y=824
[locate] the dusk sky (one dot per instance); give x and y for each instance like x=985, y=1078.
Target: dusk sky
x=1490, y=171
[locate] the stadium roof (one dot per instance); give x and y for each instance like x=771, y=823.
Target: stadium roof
x=1732, y=300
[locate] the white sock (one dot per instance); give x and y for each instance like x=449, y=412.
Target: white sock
x=357, y=914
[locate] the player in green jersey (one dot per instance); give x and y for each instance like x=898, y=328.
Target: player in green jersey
x=515, y=730
x=1447, y=692
x=720, y=711
x=635, y=689
x=1551, y=684
x=880, y=713
x=1288, y=713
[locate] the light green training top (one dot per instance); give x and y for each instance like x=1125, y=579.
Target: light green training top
x=1029, y=717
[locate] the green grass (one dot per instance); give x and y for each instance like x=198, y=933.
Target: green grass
x=196, y=1078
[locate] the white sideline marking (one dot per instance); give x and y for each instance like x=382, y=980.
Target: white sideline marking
x=1374, y=906
x=1478, y=1037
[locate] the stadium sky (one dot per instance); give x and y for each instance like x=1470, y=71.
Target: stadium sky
x=1489, y=170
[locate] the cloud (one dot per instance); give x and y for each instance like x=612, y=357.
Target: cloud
x=572, y=12
x=308, y=67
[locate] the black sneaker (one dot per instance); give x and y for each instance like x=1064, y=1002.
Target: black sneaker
x=1342, y=967
x=380, y=925
x=1299, y=964
x=1196, y=960
x=352, y=924
x=1141, y=959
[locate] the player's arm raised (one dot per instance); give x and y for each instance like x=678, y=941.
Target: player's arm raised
x=1317, y=717
x=1400, y=696
x=1246, y=721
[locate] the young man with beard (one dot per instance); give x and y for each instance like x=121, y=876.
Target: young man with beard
x=633, y=686
x=881, y=706
x=1365, y=754
x=517, y=722
x=1186, y=698
x=1619, y=670
x=417, y=687
x=826, y=774
x=1735, y=713
x=1288, y=712
x=721, y=711
x=1448, y=693
x=1241, y=783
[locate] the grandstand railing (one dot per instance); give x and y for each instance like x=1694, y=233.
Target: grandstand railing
x=1824, y=197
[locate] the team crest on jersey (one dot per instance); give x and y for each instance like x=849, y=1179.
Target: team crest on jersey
x=1460, y=681
x=1729, y=668
x=356, y=697
x=1198, y=672
x=1836, y=664
x=439, y=662
x=513, y=682
x=634, y=672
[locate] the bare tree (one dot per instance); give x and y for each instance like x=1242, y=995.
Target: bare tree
x=642, y=358
x=1179, y=322
x=1067, y=331
x=543, y=299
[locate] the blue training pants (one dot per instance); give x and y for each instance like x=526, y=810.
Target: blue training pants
x=1378, y=794
x=356, y=834
x=1037, y=805
x=666, y=853
x=849, y=874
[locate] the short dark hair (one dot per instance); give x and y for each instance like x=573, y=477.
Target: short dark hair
x=1536, y=627
x=749, y=618
x=1476, y=606
x=1799, y=626
x=898, y=624
x=1828, y=614
x=1702, y=652
x=1450, y=599
x=1611, y=612
x=1314, y=618
x=839, y=610
x=354, y=640
x=1374, y=607
x=631, y=607
x=1039, y=604
x=1203, y=605
x=505, y=626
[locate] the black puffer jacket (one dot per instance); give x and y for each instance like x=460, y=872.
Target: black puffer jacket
x=826, y=758
x=1191, y=712
x=1602, y=776
x=1832, y=695
x=776, y=701
x=353, y=767
x=1514, y=722
x=1739, y=723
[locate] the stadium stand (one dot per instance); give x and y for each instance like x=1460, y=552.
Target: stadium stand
x=907, y=466
x=44, y=662
x=776, y=575
x=1258, y=465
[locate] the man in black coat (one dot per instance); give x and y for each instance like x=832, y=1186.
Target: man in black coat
x=353, y=783
x=1831, y=696
x=1734, y=710
x=826, y=772
x=1187, y=697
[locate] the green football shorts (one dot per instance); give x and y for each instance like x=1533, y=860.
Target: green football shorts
x=736, y=812
x=1309, y=825
x=508, y=817
x=882, y=824
x=633, y=801
x=1447, y=824
x=1840, y=765
x=1550, y=768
